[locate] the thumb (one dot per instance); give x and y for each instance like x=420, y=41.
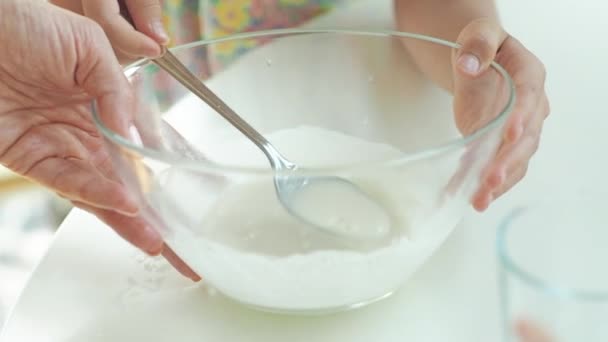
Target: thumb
x=145, y=16
x=101, y=76
x=479, y=41
x=476, y=89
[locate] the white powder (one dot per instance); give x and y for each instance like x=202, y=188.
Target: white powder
x=335, y=205
x=244, y=243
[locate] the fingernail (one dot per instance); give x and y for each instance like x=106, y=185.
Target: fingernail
x=469, y=63
x=159, y=31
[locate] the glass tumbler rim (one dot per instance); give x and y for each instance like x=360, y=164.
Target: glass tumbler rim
x=509, y=265
x=425, y=153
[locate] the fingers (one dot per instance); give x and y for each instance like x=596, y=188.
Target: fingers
x=479, y=42
x=511, y=162
x=522, y=132
x=477, y=94
x=126, y=40
x=140, y=234
x=475, y=103
x=521, y=152
x=100, y=75
x=509, y=167
x=179, y=264
x=146, y=15
x=133, y=229
x=77, y=180
x=486, y=194
x=529, y=76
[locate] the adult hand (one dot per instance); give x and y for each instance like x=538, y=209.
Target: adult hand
x=55, y=64
x=129, y=43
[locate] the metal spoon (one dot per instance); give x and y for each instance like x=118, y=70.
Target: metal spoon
x=330, y=203
x=345, y=209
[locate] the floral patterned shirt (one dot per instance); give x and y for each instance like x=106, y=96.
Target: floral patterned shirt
x=192, y=20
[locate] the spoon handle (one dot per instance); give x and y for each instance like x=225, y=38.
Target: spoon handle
x=172, y=65
x=175, y=68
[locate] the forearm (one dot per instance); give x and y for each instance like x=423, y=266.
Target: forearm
x=442, y=19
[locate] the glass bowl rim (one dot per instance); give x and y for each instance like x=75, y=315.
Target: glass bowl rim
x=509, y=265
x=425, y=153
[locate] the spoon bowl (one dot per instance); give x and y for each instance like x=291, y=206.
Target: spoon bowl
x=299, y=195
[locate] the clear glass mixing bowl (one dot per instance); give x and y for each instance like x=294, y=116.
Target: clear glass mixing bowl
x=339, y=103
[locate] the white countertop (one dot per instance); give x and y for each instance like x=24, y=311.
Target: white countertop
x=92, y=286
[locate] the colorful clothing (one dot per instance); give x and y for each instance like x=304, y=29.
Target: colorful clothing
x=192, y=20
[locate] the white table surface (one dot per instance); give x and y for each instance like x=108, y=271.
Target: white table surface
x=92, y=286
